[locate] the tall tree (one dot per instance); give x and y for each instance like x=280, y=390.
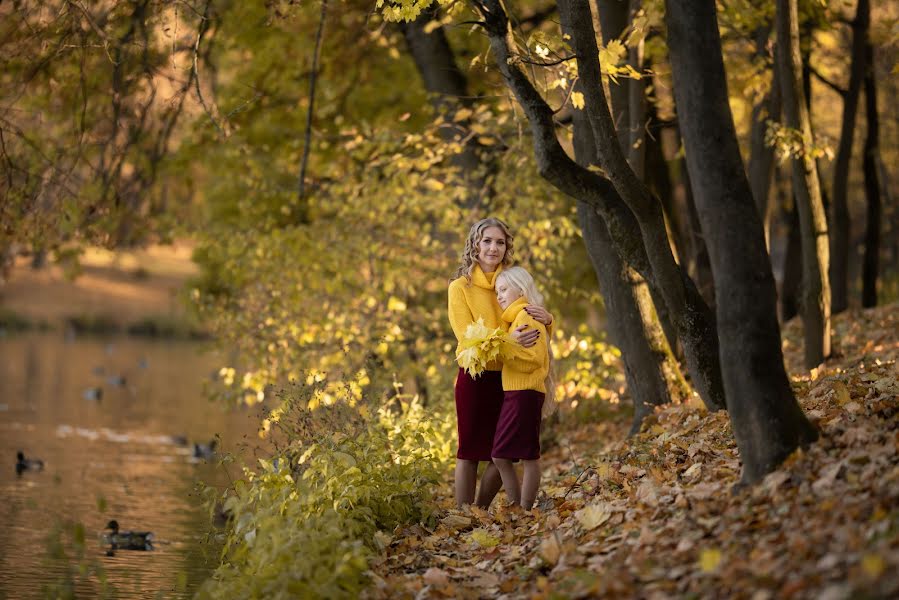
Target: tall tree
x=690, y=315
x=870, y=165
x=839, y=219
x=767, y=421
x=807, y=190
x=761, y=154
x=653, y=376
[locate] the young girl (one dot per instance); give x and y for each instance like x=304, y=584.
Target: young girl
x=525, y=376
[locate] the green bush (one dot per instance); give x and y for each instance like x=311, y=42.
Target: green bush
x=306, y=523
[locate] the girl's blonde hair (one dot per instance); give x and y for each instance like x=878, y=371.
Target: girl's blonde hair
x=475, y=235
x=522, y=280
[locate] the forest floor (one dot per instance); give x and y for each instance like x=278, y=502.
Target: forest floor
x=656, y=515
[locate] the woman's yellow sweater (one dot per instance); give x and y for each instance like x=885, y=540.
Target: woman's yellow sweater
x=524, y=368
x=470, y=301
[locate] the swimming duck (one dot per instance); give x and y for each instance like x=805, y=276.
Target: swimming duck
x=27, y=464
x=206, y=451
x=127, y=540
x=93, y=393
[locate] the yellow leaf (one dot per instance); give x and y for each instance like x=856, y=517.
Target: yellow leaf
x=577, y=100
x=709, y=559
x=593, y=515
x=433, y=185
x=840, y=392
x=482, y=538
x=873, y=565
x=395, y=304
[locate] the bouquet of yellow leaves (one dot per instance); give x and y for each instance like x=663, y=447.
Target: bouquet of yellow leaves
x=481, y=345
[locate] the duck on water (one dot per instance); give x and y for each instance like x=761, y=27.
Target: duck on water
x=27, y=464
x=126, y=540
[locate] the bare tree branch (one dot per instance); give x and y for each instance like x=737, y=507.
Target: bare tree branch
x=307, y=142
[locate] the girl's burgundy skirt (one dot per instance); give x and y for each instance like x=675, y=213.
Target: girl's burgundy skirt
x=518, y=429
x=478, y=402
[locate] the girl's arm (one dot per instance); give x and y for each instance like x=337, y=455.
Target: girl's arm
x=527, y=360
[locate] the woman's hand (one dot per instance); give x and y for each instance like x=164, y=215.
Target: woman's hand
x=524, y=336
x=539, y=313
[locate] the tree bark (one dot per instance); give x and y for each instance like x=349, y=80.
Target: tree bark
x=650, y=370
x=767, y=421
x=614, y=16
x=684, y=311
x=839, y=218
x=792, y=266
x=694, y=321
x=636, y=96
x=812, y=218
x=761, y=155
x=872, y=185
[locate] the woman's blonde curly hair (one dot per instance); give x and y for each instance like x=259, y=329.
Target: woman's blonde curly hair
x=475, y=235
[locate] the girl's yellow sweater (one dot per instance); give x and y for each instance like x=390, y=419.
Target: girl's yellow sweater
x=525, y=368
x=470, y=301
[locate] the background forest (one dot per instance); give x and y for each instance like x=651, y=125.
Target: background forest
x=678, y=176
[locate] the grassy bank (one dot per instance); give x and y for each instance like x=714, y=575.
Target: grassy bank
x=138, y=292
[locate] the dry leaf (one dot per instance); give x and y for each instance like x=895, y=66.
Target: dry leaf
x=593, y=515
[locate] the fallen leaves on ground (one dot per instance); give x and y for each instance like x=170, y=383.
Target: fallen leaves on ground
x=659, y=515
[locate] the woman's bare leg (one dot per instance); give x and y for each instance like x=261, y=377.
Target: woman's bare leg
x=510, y=479
x=491, y=482
x=466, y=480
x=530, y=483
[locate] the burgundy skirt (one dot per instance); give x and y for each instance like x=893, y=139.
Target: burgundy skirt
x=478, y=402
x=518, y=430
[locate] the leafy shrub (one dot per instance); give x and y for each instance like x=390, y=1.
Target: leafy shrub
x=306, y=523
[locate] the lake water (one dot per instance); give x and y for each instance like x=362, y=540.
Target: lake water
x=120, y=456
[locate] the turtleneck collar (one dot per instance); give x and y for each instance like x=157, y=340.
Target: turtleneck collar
x=513, y=309
x=484, y=280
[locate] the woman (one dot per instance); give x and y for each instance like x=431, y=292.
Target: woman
x=478, y=401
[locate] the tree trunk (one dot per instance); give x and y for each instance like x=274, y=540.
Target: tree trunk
x=761, y=155
x=636, y=96
x=694, y=322
x=872, y=185
x=702, y=266
x=652, y=374
x=614, y=16
x=703, y=365
x=792, y=266
x=448, y=89
x=812, y=218
x=839, y=217
x=767, y=421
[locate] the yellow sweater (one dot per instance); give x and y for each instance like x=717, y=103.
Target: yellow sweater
x=470, y=301
x=525, y=368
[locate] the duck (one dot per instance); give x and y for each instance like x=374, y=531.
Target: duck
x=206, y=451
x=27, y=464
x=93, y=393
x=116, y=380
x=127, y=540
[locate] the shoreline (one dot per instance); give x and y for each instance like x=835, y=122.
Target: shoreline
x=134, y=293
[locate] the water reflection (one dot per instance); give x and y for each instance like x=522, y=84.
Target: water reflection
x=125, y=453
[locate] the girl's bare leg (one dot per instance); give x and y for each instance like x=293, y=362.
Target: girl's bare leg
x=491, y=482
x=510, y=479
x=530, y=483
x=466, y=479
